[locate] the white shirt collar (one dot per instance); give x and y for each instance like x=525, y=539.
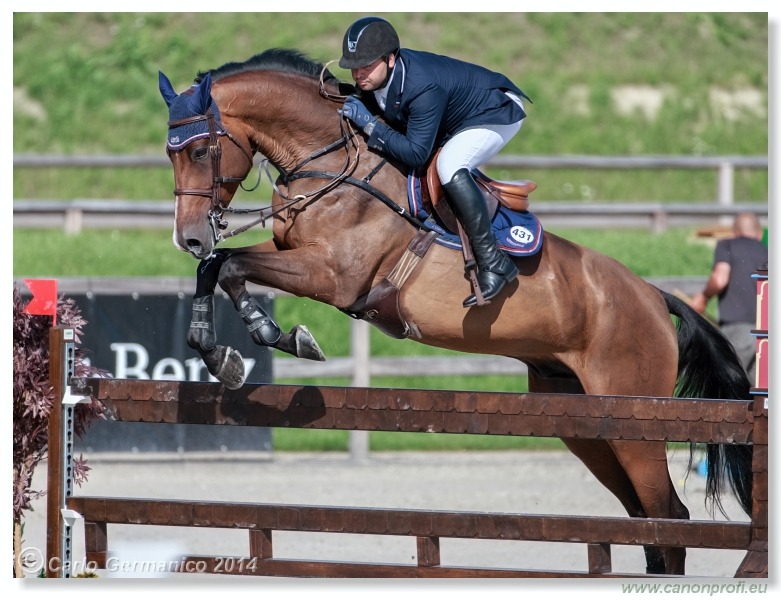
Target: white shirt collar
x=381, y=95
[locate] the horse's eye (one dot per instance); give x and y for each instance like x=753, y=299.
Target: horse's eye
x=200, y=153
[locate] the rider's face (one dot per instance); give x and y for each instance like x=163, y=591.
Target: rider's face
x=372, y=76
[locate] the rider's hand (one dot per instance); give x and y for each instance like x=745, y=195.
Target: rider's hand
x=355, y=110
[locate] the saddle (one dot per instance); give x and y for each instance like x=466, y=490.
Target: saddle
x=512, y=194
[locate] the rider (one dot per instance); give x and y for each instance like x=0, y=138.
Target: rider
x=428, y=101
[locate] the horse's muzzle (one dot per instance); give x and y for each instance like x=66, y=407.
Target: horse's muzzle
x=199, y=250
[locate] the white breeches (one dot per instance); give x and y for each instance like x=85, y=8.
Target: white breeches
x=474, y=146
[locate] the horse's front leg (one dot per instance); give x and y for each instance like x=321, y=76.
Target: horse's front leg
x=265, y=332
x=223, y=362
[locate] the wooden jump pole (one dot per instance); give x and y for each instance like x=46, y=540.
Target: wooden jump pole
x=600, y=417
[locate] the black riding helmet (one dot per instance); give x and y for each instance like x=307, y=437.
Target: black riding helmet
x=367, y=40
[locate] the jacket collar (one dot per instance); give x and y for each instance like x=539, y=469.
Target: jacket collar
x=396, y=89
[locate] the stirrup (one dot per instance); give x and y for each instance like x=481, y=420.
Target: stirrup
x=470, y=271
x=479, y=298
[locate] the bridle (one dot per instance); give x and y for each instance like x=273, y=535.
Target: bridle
x=333, y=179
x=217, y=208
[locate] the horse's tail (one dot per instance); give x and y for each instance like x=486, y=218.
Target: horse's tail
x=709, y=368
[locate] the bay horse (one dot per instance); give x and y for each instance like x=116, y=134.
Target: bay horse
x=582, y=322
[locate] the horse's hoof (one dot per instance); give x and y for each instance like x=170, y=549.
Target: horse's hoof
x=227, y=366
x=305, y=344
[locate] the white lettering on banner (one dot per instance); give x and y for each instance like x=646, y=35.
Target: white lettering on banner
x=121, y=368
x=132, y=362
x=160, y=370
x=195, y=366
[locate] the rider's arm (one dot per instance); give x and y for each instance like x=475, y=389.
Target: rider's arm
x=413, y=147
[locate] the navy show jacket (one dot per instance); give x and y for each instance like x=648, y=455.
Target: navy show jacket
x=431, y=98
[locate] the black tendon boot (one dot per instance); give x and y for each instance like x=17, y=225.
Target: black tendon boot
x=495, y=268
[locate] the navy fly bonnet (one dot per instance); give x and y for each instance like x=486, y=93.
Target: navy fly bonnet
x=196, y=101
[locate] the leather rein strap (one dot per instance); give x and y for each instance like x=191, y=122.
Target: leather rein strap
x=286, y=177
x=365, y=186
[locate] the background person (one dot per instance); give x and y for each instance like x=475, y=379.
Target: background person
x=734, y=262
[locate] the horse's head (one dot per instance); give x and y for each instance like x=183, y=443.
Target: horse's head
x=202, y=189
x=278, y=103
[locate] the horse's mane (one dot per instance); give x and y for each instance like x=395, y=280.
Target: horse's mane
x=275, y=59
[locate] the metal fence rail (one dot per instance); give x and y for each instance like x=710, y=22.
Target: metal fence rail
x=74, y=216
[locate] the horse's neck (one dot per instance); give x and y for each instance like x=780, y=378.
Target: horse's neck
x=289, y=132
x=288, y=119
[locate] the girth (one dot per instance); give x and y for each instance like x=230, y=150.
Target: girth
x=380, y=305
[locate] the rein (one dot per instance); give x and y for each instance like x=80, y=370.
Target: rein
x=364, y=185
x=334, y=179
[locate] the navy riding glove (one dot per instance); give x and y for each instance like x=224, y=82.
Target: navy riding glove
x=355, y=110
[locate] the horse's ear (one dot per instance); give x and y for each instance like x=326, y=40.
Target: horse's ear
x=201, y=100
x=166, y=89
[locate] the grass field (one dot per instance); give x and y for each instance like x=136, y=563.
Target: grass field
x=136, y=253
x=602, y=83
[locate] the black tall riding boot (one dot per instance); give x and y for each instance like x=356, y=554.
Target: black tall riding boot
x=495, y=268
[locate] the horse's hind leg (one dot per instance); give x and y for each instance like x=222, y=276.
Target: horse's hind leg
x=645, y=464
x=601, y=459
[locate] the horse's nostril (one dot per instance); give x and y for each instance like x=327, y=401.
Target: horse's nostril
x=198, y=249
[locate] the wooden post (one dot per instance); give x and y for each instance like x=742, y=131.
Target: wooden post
x=55, y=496
x=96, y=544
x=599, y=559
x=428, y=552
x=59, y=530
x=755, y=564
x=260, y=543
x=726, y=190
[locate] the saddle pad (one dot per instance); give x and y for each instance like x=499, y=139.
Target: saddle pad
x=517, y=233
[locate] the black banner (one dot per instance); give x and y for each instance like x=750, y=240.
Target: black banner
x=145, y=337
